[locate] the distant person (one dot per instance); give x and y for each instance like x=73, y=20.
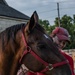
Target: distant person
x=60, y=37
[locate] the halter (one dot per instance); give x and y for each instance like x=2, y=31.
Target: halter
x=48, y=65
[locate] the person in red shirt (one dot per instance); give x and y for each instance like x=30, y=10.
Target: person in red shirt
x=60, y=37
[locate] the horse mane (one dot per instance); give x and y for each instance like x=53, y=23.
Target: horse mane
x=9, y=33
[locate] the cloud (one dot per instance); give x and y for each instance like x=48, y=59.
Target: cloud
x=27, y=3
x=45, y=2
x=59, y=0
x=50, y=6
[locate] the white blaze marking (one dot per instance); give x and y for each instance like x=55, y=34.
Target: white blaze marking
x=46, y=36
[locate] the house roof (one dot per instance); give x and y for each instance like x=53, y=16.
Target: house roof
x=6, y=10
x=3, y=2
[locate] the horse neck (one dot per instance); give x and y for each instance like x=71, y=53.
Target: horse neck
x=18, y=52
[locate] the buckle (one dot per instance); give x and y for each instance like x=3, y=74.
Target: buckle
x=24, y=68
x=50, y=67
x=28, y=49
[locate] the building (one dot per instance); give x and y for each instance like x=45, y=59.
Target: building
x=10, y=16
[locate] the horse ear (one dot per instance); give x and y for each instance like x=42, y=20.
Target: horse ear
x=32, y=22
x=36, y=17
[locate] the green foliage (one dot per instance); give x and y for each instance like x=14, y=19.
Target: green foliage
x=46, y=25
x=66, y=22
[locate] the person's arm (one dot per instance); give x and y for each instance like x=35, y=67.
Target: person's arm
x=69, y=58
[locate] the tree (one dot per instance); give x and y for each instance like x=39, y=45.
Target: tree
x=67, y=23
x=45, y=24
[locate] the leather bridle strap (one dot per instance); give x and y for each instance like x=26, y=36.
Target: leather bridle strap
x=48, y=66
x=28, y=50
x=35, y=55
x=51, y=66
x=60, y=63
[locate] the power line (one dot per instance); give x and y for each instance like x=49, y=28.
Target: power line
x=67, y=8
x=39, y=6
x=51, y=16
x=47, y=11
x=55, y=10
x=66, y=1
x=48, y=5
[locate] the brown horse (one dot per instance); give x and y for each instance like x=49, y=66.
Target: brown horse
x=30, y=45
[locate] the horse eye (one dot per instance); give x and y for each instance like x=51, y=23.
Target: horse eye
x=41, y=46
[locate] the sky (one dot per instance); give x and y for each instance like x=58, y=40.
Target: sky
x=46, y=9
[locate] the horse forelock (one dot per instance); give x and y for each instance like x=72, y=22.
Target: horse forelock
x=40, y=28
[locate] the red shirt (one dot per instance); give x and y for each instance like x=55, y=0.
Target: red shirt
x=69, y=58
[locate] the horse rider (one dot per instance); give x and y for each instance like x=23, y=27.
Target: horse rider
x=60, y=37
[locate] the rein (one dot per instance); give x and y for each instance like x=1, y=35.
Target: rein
x=48, y=65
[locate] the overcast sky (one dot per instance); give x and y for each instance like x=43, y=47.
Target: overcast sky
x=46, y=9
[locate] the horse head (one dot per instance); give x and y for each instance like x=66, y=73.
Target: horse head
x=31, y=46
x=40, y=54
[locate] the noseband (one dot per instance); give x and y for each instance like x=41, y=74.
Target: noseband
x=48, y=66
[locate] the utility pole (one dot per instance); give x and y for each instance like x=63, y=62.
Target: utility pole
x=58, y=14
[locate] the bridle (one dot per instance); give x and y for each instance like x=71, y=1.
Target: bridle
x=48, y=65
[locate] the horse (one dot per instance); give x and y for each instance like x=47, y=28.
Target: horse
x=30, y=45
